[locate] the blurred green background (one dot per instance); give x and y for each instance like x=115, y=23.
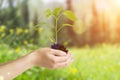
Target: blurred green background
x=93, y=40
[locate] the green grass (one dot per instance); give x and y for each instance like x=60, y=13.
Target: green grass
x=101, y=62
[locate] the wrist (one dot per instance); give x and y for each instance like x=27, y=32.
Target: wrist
x=32, y=59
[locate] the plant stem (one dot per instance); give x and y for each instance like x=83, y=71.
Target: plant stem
x=56, y=31
x=60, y=28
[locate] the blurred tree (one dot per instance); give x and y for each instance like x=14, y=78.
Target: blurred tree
x=25, y=12
x=117, y=29
x=94, y=29
x=1, y=2
x=9, y=15
x=75, y=38
x=35, y=31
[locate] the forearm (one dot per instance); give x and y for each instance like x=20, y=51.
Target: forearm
x=10, y=70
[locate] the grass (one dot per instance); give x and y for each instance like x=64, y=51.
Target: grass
x=101, y=62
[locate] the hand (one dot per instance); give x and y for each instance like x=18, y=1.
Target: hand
x=45, y=57
x=50, y=58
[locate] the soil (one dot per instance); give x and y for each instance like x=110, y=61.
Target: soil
x=59, y=47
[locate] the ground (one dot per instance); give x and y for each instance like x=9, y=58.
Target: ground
x=101, y=62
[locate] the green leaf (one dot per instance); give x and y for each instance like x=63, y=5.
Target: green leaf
x=48, y=13
x=56, y=11
x=69, y=14
x=67, y=25
x=52, y=40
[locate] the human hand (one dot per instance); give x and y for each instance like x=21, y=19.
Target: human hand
x=50, y=58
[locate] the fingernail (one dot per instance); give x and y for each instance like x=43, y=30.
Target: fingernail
x=70, y=54
x=66, y=64
x=72, y=59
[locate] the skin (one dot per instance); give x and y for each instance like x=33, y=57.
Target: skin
x=45, y=57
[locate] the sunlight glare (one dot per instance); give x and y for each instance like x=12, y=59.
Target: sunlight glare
x=1, y=78
x=117, y=2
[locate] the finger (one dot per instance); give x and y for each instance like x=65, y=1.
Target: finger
x=58, y=52
x=64, y=64
x=71, y=55
x=68, y=52
x=62, y=59
x=61, y=65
